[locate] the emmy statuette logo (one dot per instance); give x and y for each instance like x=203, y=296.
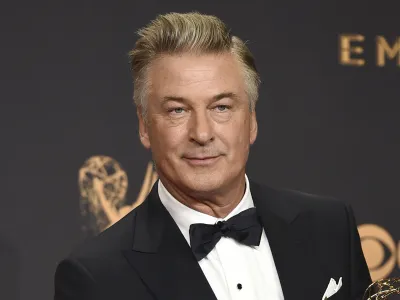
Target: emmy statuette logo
x=103, y=184
x=382, y=289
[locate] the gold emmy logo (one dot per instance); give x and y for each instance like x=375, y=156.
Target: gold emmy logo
x=373, y=240
x=382, y=289
x=103, y=184
x=351, y=49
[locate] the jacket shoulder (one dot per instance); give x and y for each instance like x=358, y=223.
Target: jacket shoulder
x=115, y=238
x=289, y=201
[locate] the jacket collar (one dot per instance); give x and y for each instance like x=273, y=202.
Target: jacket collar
x=165, y=262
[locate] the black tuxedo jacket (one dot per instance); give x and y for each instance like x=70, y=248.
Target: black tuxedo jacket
x=144, y=256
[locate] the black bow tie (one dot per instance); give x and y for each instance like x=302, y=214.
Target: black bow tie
x=244, y=227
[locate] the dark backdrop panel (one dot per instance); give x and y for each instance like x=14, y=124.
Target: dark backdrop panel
x=324, y=127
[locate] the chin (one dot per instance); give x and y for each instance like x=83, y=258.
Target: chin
x=203, y=182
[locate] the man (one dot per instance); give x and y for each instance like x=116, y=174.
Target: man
x=198, y=235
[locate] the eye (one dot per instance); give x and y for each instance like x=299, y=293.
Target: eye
x=222, y=108
x=176, y=110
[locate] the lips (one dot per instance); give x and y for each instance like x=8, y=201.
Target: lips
x=201, y=161
x=201, y=157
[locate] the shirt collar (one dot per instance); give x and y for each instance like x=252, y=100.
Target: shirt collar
x=184, y=216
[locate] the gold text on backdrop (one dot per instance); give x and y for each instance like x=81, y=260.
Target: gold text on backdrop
x=351, y=49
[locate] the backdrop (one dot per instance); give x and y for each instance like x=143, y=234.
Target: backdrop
x=328, y=118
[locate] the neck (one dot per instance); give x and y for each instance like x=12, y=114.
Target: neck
x=217, y=203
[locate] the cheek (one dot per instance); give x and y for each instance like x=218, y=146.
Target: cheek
x=237, y=142
x=241, y=134
x=242, y=144
x=168, y=138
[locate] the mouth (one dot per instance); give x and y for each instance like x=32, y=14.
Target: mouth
x=201, y=161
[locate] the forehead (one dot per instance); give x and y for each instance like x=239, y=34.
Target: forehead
x=190, y=73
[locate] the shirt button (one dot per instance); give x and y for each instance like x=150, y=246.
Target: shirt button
x=239, y=286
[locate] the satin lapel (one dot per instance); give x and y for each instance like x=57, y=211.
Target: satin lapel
x=289, y=231
x=162, y=257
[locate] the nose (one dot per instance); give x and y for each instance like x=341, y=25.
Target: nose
x=201, y=129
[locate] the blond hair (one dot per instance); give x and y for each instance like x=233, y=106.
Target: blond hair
x=176, y=33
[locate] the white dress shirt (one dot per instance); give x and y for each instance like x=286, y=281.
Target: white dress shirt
x=233, y=270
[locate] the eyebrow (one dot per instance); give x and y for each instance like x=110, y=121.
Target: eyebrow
x=220, y=96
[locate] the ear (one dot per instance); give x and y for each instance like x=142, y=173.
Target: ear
x=143, y=129
x=253, y=127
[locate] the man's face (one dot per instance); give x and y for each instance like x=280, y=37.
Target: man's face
x=198, y=108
